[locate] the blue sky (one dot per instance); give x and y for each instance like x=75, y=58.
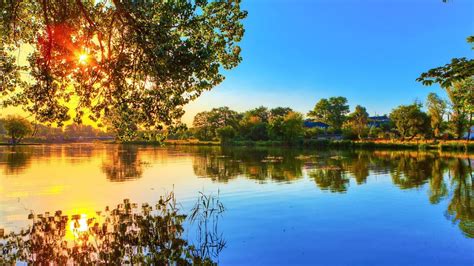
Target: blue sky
x=298, y=51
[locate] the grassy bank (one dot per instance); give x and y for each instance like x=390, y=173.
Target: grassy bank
x=456, y=146
x=461, y=146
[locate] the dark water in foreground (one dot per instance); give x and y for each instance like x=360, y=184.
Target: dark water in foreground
x=282, y=206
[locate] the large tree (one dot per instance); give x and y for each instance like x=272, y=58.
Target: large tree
x=358, y=120
x=451, y=77
x=461, y=95
x=206, y=124
x=410, y=121
x=332, y=111
x=134, y=62
x=17, y=128
x=436, y=110
x=458, y=70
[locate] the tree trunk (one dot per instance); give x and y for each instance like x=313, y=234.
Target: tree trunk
x=469, y=128
x=14, y=140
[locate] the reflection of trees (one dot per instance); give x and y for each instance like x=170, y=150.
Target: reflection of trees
x=358, y=166
x=125, y=235
x=410, y=171
x=332, y=171
x=222, y=164
x=122, y=164
x=329, y=173
x=16, y=160
x=334, y=180
x=438, y=188
x=461, y=206
x=80, y=151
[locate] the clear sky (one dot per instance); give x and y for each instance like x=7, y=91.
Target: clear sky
x=370, y=51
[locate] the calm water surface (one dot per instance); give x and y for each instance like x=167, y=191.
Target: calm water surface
x=283, y=206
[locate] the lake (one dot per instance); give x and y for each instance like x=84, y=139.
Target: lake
x=282, y=205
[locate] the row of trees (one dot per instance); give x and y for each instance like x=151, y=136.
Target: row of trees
x=16, y=128
x=281, y=123
x=443, y=118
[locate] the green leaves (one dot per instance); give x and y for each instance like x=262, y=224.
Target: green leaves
x=458, y=70
x=331, y=111
x=410, y=121
x=136, y=63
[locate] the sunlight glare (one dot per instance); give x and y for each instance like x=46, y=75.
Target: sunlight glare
x=83, y=59
x=79, y=225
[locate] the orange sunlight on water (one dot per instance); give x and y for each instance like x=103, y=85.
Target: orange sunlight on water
x=78, y=179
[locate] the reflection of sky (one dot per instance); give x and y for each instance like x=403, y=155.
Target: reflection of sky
x=266, y=222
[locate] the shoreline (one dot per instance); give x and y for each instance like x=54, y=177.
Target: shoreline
x=457, y=146
x=460, y=146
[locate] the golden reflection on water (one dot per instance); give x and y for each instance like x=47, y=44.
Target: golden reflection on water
x=76, y=227
x=77, y=178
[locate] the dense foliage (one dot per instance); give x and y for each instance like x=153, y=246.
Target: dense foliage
x=125, y=64
x=17, y=128
x=436, y=110
x=282, y=124
x=331, y=111
x=410, y=121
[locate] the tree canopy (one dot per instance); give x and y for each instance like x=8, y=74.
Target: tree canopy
x=17, y=128
x=410, y=121
x=331, y=111
x=458, y=70
x=358, y=120
x=436, y=110
x=135, y=63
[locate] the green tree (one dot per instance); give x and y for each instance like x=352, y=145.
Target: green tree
x=275, y=128
x=461, y=95
x=459, y=69
x=280, y=112
x=436, y=110
x=293, y=127
x=358, y=120
x=226, y=134
x=410, y=121
x=206, y=124
x=254, y=124
x=464, y=93
x=276, y=122
x=17, y=128
x=261, y=112
x=144, y=59
x=450, y=76
x=331, y=111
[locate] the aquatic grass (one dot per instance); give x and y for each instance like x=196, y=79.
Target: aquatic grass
x=127, y=234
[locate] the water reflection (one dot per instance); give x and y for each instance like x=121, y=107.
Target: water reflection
x=260, y=164
x=122, y=163
x=16, y=159
x=127, y=234
x=449, y=177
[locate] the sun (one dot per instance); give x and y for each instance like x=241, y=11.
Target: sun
x=83, y=59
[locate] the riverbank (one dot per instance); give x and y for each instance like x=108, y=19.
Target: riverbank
x=462, y=146
x=457, y=146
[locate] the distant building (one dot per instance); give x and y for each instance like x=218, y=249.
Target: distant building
x=378, y=121
x=472, y=133
x=308, y=123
